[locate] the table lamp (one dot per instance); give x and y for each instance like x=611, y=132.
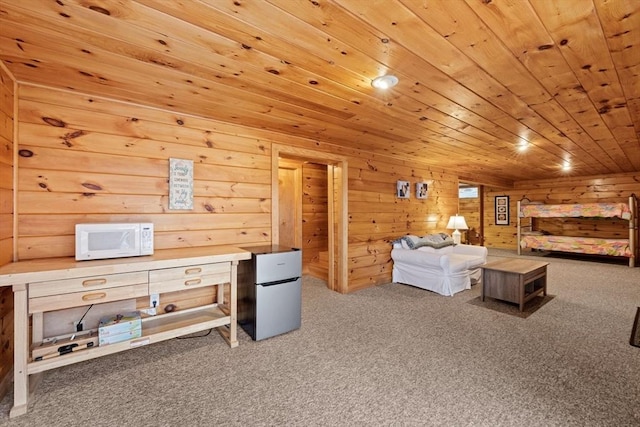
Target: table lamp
x=456, y=223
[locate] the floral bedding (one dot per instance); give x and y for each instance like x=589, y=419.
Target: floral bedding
x=582, y=245
x=596, y=210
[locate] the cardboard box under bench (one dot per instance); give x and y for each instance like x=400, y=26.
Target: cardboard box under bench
x=119, y=327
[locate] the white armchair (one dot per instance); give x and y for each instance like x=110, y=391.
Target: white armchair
x=446, y=270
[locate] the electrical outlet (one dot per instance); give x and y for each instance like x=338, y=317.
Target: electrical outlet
x=154, y=301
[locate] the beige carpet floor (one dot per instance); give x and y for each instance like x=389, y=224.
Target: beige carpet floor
x=512, y=309
x=392, y=355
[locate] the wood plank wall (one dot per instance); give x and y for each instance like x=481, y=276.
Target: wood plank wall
x=6, y=166
x=377, y=216
x=315, y=216
x=6, y=224
x=90, y=159
x=86, y=160
x=470, y=209
x=601, y=188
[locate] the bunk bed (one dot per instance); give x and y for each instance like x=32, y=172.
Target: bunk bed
x=529, y=236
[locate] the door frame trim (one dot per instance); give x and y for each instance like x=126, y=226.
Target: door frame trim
x=338, y=207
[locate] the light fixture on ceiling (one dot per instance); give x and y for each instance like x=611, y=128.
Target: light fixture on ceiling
x=566, y=166
x=523, y=146
x=384, y=82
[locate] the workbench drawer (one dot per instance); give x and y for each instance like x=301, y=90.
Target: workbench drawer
x=87, y=283
x=94, y=296
x=190, y=277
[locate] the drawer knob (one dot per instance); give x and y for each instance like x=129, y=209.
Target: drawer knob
x=92, y=297
x=94, y=282
x=195, y=270
x=192, y=282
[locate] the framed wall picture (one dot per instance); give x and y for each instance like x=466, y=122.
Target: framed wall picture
x=502, y=210
x=403, y=189
x=422, y=190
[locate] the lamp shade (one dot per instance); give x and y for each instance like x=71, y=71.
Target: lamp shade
x=457, y=222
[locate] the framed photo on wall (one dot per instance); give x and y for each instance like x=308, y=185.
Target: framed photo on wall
x=422, y=190
x=403, y=189
x=502, y=210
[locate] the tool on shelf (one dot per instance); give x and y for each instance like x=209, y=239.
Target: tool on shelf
x=65, y=349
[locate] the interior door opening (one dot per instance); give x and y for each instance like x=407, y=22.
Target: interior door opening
x=304, y=213
x=323, y=207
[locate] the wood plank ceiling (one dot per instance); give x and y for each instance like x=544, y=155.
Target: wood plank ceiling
x=495, y=90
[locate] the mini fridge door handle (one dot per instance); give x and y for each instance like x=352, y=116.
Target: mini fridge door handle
x=279, y=282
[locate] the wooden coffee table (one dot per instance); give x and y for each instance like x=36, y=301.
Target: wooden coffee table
x=513, y=279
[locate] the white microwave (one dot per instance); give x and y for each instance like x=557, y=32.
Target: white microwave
x=113, y=240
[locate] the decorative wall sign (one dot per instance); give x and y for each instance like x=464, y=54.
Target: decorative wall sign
x=502, y=210
x=403, y=189
x=180, y=184
x=422, y=190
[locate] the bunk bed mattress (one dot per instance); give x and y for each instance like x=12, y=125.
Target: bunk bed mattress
x=582, y=245
x=595, y=210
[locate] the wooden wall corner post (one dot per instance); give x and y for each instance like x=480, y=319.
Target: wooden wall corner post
x=518, y=226
x=233, y=305
x=20, y=351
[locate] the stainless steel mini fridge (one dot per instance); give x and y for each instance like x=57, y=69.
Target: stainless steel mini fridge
x=270, y=291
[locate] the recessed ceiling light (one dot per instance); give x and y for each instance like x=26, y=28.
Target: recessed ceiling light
x=384, y=82
x=566, y=166
x=523, y=146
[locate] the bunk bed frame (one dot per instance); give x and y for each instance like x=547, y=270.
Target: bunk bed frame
x=527, y=237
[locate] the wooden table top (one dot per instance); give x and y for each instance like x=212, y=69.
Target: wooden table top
x=38, y=270
x=514, y=265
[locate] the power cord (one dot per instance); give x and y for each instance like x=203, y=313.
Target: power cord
x=194, y=336
x=79, y=324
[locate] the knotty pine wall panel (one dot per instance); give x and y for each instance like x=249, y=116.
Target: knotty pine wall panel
x=6, y=166
x=81, y=165
x=315, y=205
x=7, y=120
x=377, y=216
x=589, y=189
x=470, y=210
x=499, y=236
x=90, y=159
